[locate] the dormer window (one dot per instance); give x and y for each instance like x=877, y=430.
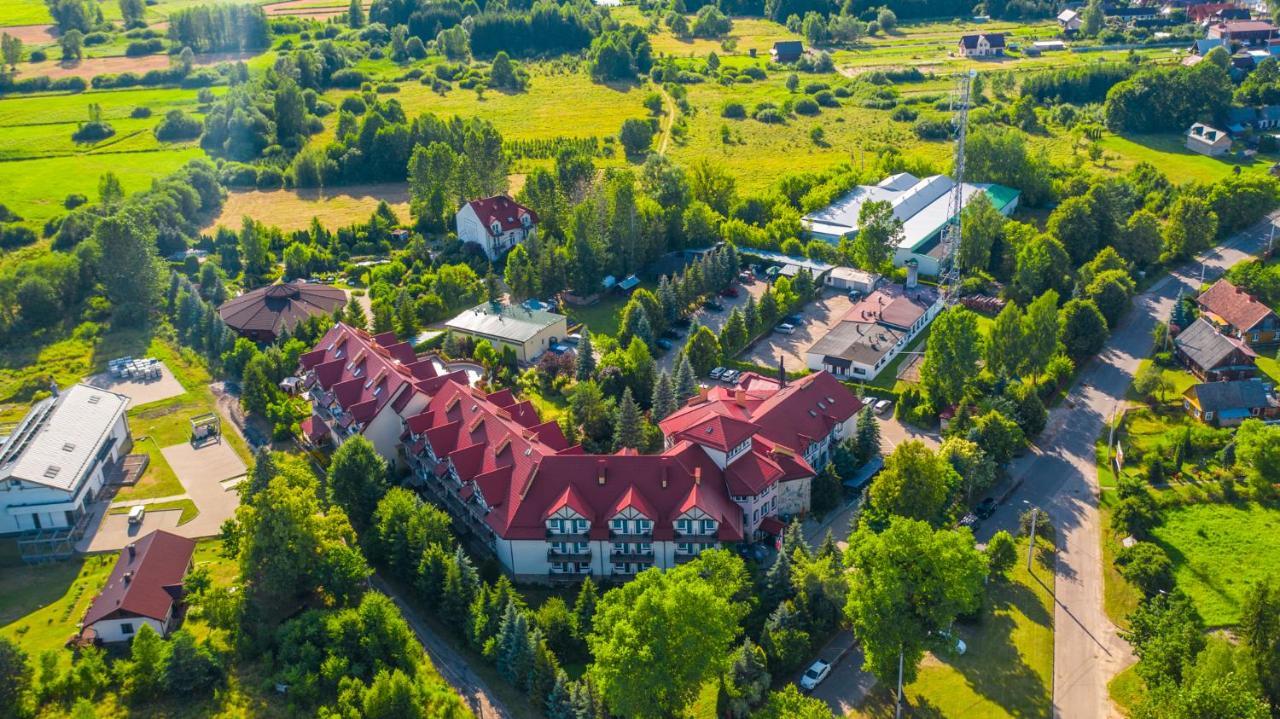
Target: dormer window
x=497, y=228
x=369, y=383
x=377, y=391
x=525, y=219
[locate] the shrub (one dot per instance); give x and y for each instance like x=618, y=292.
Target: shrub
x=96, y=38
x=353, y=104
x=74, y=200
x=733, y=110
x=178, y=125
x=1147, y=566
x=269, y=178
x=140, y=113
x=756, y=73
x=388, y=88
x=806, y=106
x=902, y=113
x=138, y=48
x=238, y=174
x=93, y=132
x=347, y=78
x=927, y=129
x=38, y=56
x=770, y=116
x=826, y=99
x=12, y=236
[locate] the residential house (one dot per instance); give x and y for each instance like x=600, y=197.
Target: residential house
x=735, y=460
x=1069, y=21
x=59, y=457
x=496, y=223
x=264, y=314
x=1226, y=404
x=785, y=51
x=922, y=205
x=1205, y=12
x=1243, y=32
x=1238, y=314
x=1208, y=140
x=981, y=45
x=527, y=331
x=1212, y=356
x=145, y=587
x=875, y=331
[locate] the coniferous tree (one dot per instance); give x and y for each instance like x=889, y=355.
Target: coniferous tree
x=585, y=364
x=543, y=667
x=777, y=582
x=560, y=700
x=793, y=540
x=628, y=432
x=686, y=381
x=584, y=609
x=512, y=644
x=664, y=398
x=829, y=550
x=867, y=436
x=355, y=14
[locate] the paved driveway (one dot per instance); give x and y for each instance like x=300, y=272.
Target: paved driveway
x=820, y=316
x=206, y=474
x=1060, y=476
x=713, y=320
x=846, y=687
x=139, y=392
x=114, y=531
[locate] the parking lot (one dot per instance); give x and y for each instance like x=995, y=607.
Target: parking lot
x=713, y=320
x=819, y=317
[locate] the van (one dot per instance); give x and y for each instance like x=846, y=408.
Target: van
x=137, y=513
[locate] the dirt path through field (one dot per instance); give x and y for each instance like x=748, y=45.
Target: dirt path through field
x=91, y=67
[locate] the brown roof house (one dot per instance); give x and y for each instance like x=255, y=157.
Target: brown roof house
x=1212, y=356
x=1238, y=314
x=264, y=314
x=145, y=587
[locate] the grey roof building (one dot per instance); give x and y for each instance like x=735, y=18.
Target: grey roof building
x=1212, y=356
x=528, y=332
x=1230, y=402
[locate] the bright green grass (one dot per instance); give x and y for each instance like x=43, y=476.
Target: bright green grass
x=1169, y=154
x=159, y=480
x=1127, y=689
x=602, y=317
x=1270, y=367
x=188, y=507
x=24, y=12
x=32, y=142
x=41, y=605
x=115, y=105
x=1218, y=552
x=555, y=105
x=35, y=189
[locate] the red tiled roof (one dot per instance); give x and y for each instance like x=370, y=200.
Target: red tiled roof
x=751, y=473
x=1233, y=305
x=715, y=430
x=1204, y=11
x=146, y=580
x=503, y=209
x=364, y=373
x=772, y=525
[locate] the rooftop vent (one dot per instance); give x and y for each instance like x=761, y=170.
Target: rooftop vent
x=94, y=399
x=68, y=447
x=52, y=471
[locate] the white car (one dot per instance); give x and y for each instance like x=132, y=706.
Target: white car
x=137, y=513
x=717, y=372
x=785, y=328
x=814, y=675
x=882, y=406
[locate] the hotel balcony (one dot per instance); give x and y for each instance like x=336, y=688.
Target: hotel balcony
x=566, y=536
x=629, y=557
x=646, y=537
x=568, y=555
x=699, y=538
x=682, y=558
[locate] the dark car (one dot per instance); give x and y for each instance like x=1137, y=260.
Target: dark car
x=683, y=322
x=729, y=292
x=985, y=508
x=665, y=344
x=713, y=306
x=669, y=334
x=796, y=319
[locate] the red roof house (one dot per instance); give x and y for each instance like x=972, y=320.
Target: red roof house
x=495, y=223
x=1238, y=314
x=145, y=587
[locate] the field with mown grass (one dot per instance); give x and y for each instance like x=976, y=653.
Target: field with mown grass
x=24, y=12
x=293, y=209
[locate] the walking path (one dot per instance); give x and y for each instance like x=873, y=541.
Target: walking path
x=1060, y=477
x=449, y=663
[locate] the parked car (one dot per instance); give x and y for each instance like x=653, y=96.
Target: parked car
x=855, y=295
x=870, y=401
x=785, y=328
x=137, y=513
x=664, y=343
x=796, y=319
x=985, y=508
x=713, y=306
x=717, y=373
x=729, y=291
x=882, y=406
x=573, y=339
x=814, y=675
x=683, y=322
x=969, y=520
x=746, y=277
x=730, y=375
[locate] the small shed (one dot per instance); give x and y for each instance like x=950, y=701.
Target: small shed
x=786, y=51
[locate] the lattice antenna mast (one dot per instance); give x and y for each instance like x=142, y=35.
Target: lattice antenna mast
x=955, y=202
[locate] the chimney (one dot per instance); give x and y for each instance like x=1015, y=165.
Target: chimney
x=601, y=478
x=740, y=396
x=913, y=274
x=53, y=387
x=133, y=549
x=128, y=577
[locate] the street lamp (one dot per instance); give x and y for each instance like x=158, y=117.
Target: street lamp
x=1031, y=545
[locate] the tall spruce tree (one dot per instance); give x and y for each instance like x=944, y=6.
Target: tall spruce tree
x=628, y=430
x=686, y=380
x=867, y=436
x=664, y=398
x=585, y=364
x=584, y=609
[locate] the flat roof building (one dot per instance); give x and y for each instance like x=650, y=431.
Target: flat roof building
x=528, y=332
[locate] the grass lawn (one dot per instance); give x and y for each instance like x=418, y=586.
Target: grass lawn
x=1169, y=154
x=24, y=12
x=602, y=317
x=1127, y=689
x=158, y=481
x=293, y=209
x=41, y=605
x=188, y=507
x=1007, y=670
x=1269, y=367
x=1218, y=552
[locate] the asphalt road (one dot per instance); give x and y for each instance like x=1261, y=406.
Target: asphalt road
x=1060, y=477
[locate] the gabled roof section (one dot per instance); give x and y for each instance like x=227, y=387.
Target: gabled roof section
x=146, y=580
x=715, y=430
x=1233, y=306
x=1204, y=345
x=503, y=210
x=60, y=436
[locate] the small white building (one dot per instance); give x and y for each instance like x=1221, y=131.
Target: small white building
x=528, y=332
x=59, y=456
x=1069, y=21
x=496, y=223
x=1208, y=140
x=989, y=44
x=849, y=279
x=145, y=587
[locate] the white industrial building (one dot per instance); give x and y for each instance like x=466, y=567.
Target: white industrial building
x=59, y=457
x=921, y=205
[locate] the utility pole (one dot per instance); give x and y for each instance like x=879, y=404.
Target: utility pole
x=1031, y=546
x=898, y=711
